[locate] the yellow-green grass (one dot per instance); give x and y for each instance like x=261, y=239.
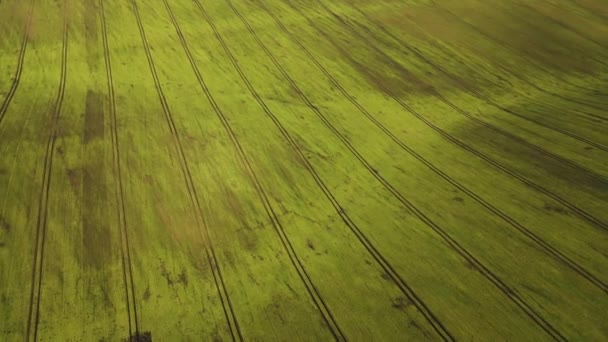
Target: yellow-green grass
x=311, y=169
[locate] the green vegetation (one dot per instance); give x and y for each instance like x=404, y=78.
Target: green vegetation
x=306, y=169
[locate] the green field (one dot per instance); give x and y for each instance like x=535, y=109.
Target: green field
x=196, y=170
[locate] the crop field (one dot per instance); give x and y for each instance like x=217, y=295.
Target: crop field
x=387, y=170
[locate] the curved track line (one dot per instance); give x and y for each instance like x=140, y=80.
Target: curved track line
x=17, y=77
x=403, y=286
x=442, y=70
x=494, y=279
x=591, y=219
x=231, y=319
x=311, y=289
x=43, y=201
x=548, y=248
x=127, y=268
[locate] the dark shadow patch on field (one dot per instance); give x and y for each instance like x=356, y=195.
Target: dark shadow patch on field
x=4, y=225
x=140, y=337
x=171, y=278
x=453, y=31
x=390, y=74
x=428, y=81
x=527, y=161
x=93, y=117
x=544, y=45
x=97, y=239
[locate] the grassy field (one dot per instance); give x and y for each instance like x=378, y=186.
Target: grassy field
x=363, y=170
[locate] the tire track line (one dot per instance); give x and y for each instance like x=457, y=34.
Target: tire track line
x=459, y=249
x=43, y=200
x=312, y=290
x=477, y=94
x=547, y=247
x=381, y=260
x=20, y=59
x=583, y=214
x=231, y=319
x=127, y=269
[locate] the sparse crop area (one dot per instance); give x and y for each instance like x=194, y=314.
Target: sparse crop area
x=196, y=170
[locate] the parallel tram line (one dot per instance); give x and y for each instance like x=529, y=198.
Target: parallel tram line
x=505, y=217
x=127, y=269
x=459, y=249
x=43, y=200
x=477, y=94
x=20, y=59
x=312, y=290
x=230, y=316
x=435, y=323
x=403, y=286
x=583, y=214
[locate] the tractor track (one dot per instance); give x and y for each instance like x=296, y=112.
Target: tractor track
x=510, y=293
x=552, y=251
x=263, y=197
x=381, y=260
x=583, y=214
x=442, y=70
x=200, y=218
x=20, y=59
x=43, y=200
x=127, y=268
